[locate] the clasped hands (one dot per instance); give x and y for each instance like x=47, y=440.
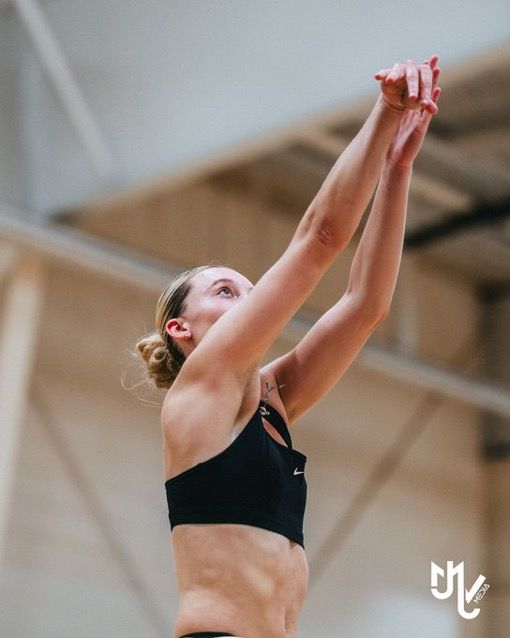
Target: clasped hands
x=408, y=85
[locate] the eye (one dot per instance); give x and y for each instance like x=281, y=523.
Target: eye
x=224, y=288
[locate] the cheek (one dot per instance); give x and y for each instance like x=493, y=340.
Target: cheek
x=212, y=309
x=221, y=306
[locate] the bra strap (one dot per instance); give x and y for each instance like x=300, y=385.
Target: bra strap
x=276, y=420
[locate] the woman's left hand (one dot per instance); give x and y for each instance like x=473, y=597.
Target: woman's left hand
x=408, y=85
x=409, y=137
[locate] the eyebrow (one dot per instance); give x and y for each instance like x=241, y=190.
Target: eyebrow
x=223, y=279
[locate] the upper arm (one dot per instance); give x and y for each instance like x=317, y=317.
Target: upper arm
x=317, y=362
x=239, y=339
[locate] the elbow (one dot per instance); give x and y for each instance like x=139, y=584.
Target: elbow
x=324, y=230
x=374, y=317
x=328, y=237
x=373, y=313
x=325, y=233
x=381, y=315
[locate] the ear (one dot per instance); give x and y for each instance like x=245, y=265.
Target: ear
x=178, y=329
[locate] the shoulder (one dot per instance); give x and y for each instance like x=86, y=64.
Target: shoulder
x=202, y=411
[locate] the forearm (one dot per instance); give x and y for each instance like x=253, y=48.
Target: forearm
x=376, y=263
x=346, y=191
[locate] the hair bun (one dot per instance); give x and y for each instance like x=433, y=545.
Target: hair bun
x=154, y=352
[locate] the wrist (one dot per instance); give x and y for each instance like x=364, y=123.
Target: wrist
x=390, y=108
x=394, y=167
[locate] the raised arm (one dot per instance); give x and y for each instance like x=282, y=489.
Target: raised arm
x=346, y=191
x=313, y=367
x=239, y=339
x=376, y=264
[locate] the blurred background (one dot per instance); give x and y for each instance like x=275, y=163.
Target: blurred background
x=140, y=139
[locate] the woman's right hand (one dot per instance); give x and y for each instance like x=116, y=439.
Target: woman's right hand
x=408, y=85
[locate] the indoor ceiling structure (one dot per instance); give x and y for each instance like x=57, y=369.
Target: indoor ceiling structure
x=457, y=216
x=460, y=194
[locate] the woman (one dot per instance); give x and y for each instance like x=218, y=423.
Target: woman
x=236, y=489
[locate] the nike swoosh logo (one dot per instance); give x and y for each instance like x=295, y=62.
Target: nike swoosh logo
x=296, y=472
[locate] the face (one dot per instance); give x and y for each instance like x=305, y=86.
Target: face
x=213, y=292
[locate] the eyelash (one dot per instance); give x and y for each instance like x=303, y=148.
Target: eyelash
x=224, y=288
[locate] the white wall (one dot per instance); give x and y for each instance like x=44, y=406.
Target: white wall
x=170, y=82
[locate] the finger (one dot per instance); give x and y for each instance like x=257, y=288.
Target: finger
x=426, y=86
x=427, y=113
x=412, y=77
x=396, y=72
x=433, y=109
x=432, y=61
x=426, y=121
x=435, y=76
x=382, y=74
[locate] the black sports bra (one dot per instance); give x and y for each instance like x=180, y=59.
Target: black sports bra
x=254, y=481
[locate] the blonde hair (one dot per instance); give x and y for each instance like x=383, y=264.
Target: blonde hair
x=162, y=356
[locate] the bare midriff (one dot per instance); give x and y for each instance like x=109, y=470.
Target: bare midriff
x=244, y=580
